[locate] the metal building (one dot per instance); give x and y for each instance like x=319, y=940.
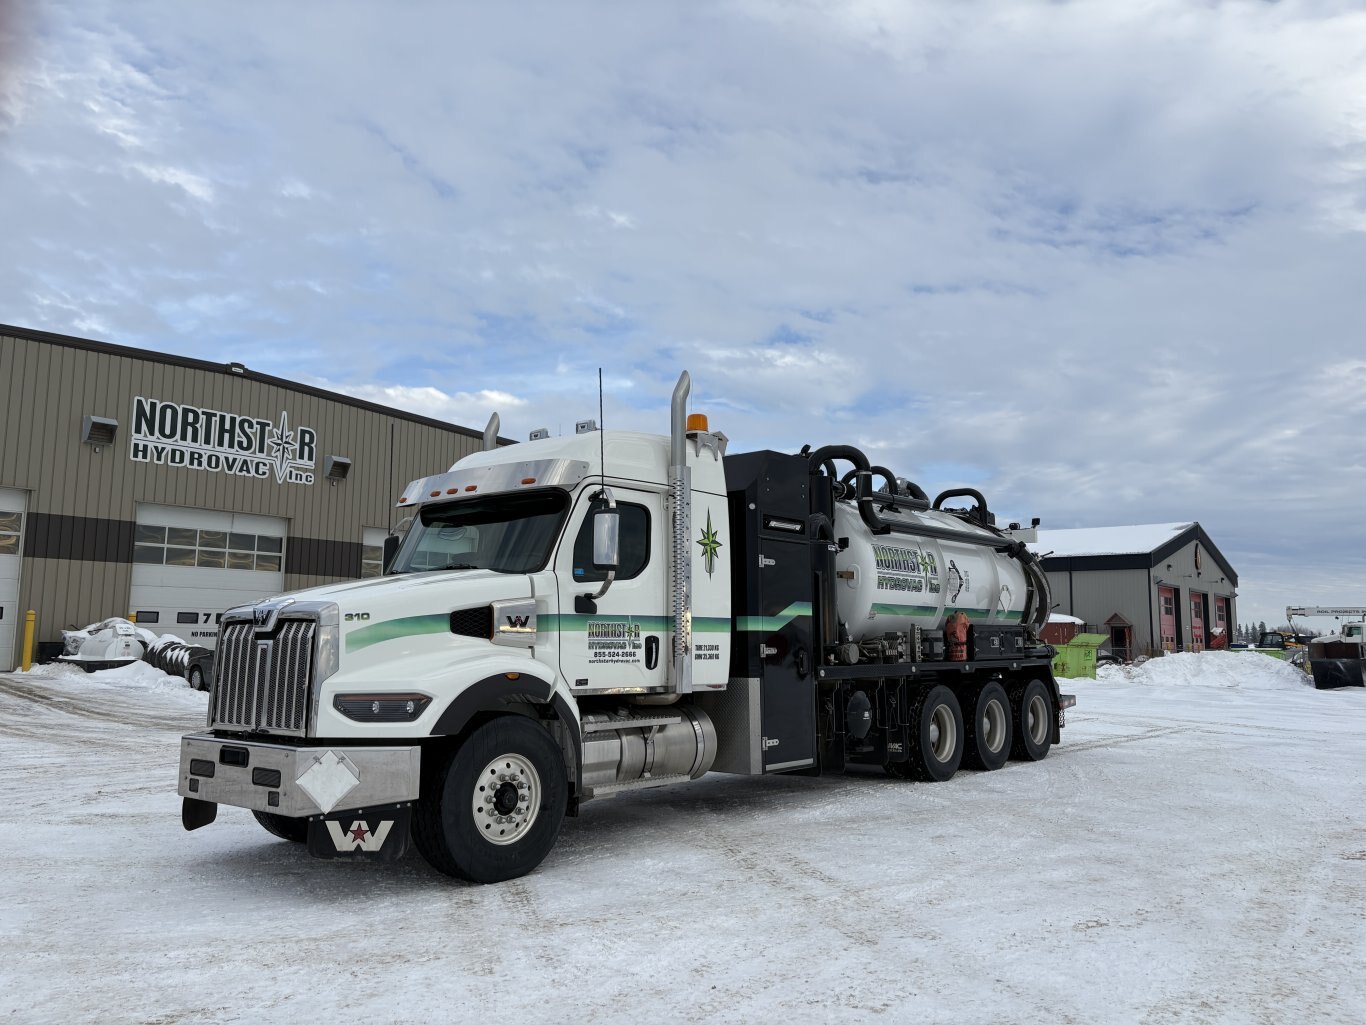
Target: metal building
x=1151, y=588
x=138, y=482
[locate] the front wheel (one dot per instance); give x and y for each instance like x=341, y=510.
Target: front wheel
x=286, y=828
x=491, y=808
x=1034, y=723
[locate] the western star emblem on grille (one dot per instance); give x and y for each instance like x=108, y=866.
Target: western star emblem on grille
x=264, y=613
x=330, y=778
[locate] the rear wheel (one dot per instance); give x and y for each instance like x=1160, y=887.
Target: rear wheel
x=286, y=828
x=988, y=731
x=939, y=736
x=197, y=678
x=1034, y=723
x=492, y=807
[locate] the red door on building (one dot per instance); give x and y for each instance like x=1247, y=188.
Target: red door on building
x=1220, y=638
x=1197, y=621
x=1167, y=625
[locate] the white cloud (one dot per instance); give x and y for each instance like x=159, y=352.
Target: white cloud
x=1104, y=258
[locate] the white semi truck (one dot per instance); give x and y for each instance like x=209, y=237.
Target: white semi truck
x=575, y=617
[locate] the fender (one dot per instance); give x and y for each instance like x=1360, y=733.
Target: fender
x=493, y=692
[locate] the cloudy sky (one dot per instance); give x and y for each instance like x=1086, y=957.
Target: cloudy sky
x=1104, y=261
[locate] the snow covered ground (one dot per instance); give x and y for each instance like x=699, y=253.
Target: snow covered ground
x=1193, y=852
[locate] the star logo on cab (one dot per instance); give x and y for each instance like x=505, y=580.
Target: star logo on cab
x=711, y=546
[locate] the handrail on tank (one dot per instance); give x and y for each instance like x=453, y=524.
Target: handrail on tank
x=981, y=514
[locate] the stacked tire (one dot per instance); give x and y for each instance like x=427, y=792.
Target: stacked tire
x=187, y=661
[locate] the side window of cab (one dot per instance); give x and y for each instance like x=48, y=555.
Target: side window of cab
x=634, y=541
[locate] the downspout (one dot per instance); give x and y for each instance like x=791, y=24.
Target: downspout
x=680, y=561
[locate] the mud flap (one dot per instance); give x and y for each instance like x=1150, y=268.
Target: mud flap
x=195, y=813
x=375, y=833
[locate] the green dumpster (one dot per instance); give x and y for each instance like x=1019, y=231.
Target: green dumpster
x=1077, y=658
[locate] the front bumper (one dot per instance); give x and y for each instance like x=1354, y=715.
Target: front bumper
x=293, y=780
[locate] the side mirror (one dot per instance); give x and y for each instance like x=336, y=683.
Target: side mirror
x=390, y=550
x=606, y=539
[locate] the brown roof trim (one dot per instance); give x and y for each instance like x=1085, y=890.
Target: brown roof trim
x=152, y=356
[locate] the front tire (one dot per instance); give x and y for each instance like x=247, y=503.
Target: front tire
x=492, y=807
x=1034, y=723
x=939, y=736
x=989, y=730
x=197, y=678
x=286, y=828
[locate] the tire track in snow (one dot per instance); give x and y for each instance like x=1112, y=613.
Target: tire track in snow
x=88, y=706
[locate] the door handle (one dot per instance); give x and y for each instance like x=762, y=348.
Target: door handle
x=651, y=651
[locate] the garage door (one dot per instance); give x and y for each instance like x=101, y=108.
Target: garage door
x=12, y=506
x=189, y=565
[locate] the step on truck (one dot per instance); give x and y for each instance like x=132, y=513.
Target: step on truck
x=571, y=618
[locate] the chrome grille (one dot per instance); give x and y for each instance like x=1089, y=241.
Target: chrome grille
x=263, y=682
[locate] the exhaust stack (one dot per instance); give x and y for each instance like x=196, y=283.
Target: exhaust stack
x=680, y=561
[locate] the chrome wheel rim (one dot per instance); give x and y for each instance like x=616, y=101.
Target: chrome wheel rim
x=1038, y=719
x=943, y=737
x=506, y=799
x=994, y=726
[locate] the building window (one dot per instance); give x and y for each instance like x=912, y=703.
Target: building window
x=11, y=523
x=371, y=560
x=211, y=549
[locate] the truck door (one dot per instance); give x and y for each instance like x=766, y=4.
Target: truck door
x=625, y=643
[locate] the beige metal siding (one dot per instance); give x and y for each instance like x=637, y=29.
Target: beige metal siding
x=46, y=389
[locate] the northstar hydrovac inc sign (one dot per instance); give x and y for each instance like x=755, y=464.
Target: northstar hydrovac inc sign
x=167, y=433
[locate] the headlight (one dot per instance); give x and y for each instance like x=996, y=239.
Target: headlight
x=329, y=642
x=381, y=707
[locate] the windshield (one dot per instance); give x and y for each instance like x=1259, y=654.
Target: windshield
x=510, y=533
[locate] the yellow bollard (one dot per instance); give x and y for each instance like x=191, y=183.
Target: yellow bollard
x=132, y=617
x=27, y=662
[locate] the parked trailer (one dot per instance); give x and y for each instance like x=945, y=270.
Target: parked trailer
x=576, y=617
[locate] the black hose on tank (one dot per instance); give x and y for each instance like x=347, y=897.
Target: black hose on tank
x=825, y=457
x=831, y=452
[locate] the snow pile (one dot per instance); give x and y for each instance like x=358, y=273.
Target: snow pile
x=134, y=676
x=1224, y=669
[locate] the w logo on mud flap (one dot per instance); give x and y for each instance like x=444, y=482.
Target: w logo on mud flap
x=358, y=836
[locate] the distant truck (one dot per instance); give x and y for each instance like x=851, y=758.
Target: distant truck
x=572, y=618
x=1336, y=660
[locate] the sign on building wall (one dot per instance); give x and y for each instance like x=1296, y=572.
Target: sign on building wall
x=167, y=433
